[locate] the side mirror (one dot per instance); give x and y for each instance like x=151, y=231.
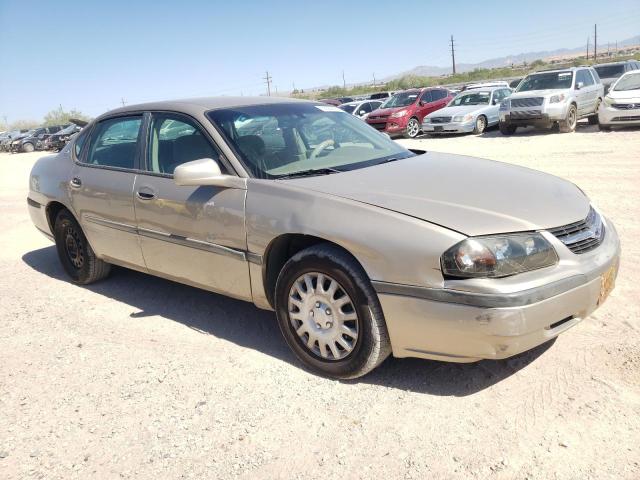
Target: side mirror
x=421, y=103
x=496, y=101
x=579, y=85
x=361, y=112
x=205, y=172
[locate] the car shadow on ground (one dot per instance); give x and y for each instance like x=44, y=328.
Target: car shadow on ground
x=244, y=324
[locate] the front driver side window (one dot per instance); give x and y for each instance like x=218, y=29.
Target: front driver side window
x=176, y=140
x=114, y=142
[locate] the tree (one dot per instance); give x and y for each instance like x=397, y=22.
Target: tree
x=59, y=117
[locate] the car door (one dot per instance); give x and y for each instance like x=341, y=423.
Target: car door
x=424, y=105
x=494, y=106
x=363, y=109
x=583, y=94
x=195, y=235
x=101, y=189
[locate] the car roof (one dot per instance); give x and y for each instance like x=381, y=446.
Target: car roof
x=621, y=62
x=488, y=88
x=199, y=105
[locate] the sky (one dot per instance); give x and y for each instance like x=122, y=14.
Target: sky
x=91, y=55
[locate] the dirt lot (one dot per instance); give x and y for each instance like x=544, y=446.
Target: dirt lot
x=138, y=377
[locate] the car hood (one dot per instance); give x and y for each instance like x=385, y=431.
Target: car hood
x=459, y=110
x=466, y=194
x=387, y=111
x=538, y=93
x=633, y=95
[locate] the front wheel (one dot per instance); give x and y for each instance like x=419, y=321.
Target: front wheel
x=329, y=313
x=507, y=129
x=28, y=147
x=480, y=126
x=413, y=128
x=76, y=255
x=568, y=125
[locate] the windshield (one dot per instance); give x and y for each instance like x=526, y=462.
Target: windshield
x=278, y=140
x=546, y=81
x=628, y=82
x=402, y=99
x=349, y=108
x=609, y=71
x=475, y=98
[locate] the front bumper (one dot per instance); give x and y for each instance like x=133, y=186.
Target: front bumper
x=392, y=126
x=452, y=127
x=461, y=326
x=542, y=116
x=615, y=116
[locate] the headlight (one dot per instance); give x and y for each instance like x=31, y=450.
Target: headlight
x=498, y=256
x=504, y=105
x=401, y=113
x=462, y=118
x=426, y=120
x=608, y=101
x=557, y=98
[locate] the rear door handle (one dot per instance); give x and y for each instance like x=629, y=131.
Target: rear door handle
x=75, y=182
x=145, y=195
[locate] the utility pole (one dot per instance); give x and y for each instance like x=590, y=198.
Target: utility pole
x=608, y=50
x=123, y=102
x=453, y=56
x=588, y=40
x=595, y=43
x=374, y=79
x=344, y=83
x=268, y=80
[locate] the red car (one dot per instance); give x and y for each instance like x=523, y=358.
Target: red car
x=402, y=114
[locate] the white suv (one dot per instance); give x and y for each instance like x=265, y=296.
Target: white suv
x=553, y=97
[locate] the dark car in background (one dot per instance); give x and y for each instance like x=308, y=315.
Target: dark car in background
x=34, y=139
x=58, y=140
x=9, y=137
x=610, y=72
x=403, y=113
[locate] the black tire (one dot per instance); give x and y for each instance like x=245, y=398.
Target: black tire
x=372, y=345
x=593, y=119
x=28, y=147
x=75, y=253
x=410, y=131
x=568, y=125
x=507, y=129
x=481, y=125
x=604, y=128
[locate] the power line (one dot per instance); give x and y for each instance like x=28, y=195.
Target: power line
x=453, y=56
x=268, y=79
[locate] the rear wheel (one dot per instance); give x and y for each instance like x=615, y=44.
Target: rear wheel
x=507, y=129
x=481, y=125
x=593, y=119
x=75, y=253
x=568, y=125
x=329, y=313
x=413, y=128
x=28, y=147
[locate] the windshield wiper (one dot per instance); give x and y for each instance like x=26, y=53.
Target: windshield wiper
x=309, y=173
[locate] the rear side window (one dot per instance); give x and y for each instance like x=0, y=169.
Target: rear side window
x=438, y=94
x=176, y=140
x=79, y=143
x=114, y=142
x=426, y=97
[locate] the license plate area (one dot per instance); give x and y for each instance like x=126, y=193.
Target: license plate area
x=607, y=282
x=438, y=128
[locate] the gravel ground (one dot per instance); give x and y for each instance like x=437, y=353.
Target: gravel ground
x=138, y=377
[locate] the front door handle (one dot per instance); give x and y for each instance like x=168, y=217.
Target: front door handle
x=145, y=195
x=75, y=182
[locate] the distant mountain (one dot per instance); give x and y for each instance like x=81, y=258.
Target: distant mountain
x=434, y=71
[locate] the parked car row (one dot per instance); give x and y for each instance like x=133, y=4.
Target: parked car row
x=43, y=138
x=555, y=98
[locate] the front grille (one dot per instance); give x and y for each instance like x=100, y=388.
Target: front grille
x=378, y=126
x=440, y=119
x=526, y=114
x=378, y=117
x=626, y=106
x=526, y=102
x=630, y=118
x=582, y=236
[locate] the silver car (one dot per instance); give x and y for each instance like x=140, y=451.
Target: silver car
x=470, y=111
x=551, y=98
x=362, y=247
x=621, y=106
x=361, y=108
